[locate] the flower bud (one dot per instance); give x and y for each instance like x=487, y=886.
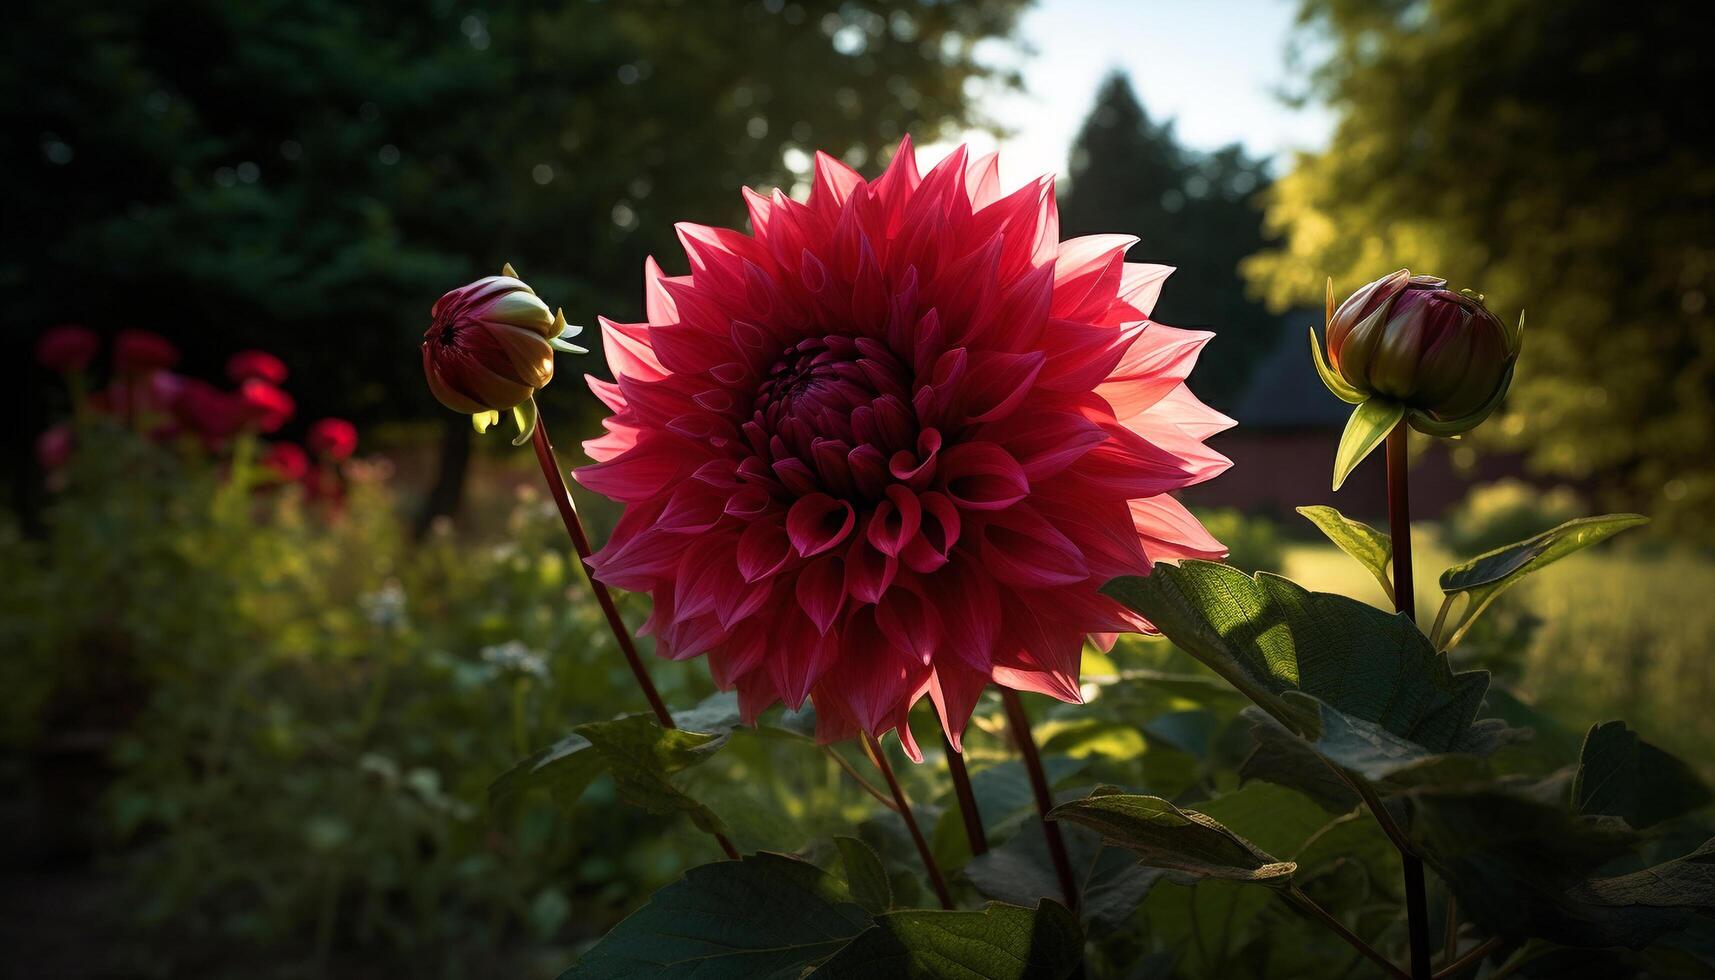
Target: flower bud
x=266, y=407
x=489, y=347
x=286, y=463
x=1412, y=341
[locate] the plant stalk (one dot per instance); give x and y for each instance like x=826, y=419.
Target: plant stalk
x=1309, y=907
x=1019, y=722
x=1404, y=598
x=1469, y=960
x=581, y=543
x=879, y=759
x=967, y=798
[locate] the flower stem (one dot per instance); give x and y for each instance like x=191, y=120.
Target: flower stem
x=879, y=760
x=967, y=799
x=1308, y=906
x=1469, y=960
x=581, y=542
x=1019, y=722
x=1404, y=598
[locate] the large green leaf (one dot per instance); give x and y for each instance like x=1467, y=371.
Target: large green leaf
x=1371, y=548
x=1164, y=836
x=1621, y=775
x=1273, y=640
x=866, y=879
x=640, y=755
x=1486, y=576
x=1111, y=883
x=1001, y=942
x=1369, y=425
x=765, y=917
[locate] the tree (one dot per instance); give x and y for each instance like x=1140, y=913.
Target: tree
x=1558, y=157
x=309, y=175
x=1191, y=210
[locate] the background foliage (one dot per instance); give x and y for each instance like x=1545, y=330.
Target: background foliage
x=1544, y=154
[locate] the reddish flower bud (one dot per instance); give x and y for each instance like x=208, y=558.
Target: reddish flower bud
x=267, y=407
x=488, y=348
x=210, y=412
x=256, y=365
x=136, y=351
x=333, y=438
x=1411, y=340
x=67, y=349
x=287, y=462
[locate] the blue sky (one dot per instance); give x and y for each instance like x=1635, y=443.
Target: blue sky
x=1214, y=66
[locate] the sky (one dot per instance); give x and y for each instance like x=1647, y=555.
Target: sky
x=1214, y=66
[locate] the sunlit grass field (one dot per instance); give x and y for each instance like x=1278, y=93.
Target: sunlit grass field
x=1625, y=633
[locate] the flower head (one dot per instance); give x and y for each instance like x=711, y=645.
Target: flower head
x=490, y=345
x=256, y=365
x=890, y=444
x=268, y=407
x=140, y=351
x=1410, y=340
x=67, y=349
x=54, y=447
x=287, y=462
x=333, y=438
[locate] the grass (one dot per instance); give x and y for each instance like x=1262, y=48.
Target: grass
x=1625, y=634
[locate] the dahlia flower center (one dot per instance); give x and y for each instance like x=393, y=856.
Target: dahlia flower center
x=831, y=415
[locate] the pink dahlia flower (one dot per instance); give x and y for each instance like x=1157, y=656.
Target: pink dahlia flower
x=891, y=443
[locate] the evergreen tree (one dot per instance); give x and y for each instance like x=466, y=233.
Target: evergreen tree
x=1190, y=210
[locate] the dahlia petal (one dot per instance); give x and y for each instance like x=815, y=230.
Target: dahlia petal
x=1020, y=547
x=982, y=180
x=763, y=549
x=821, y=591
x=739, y=655
x=691, y=509
x=1082, y=355
x=756, y=693
x=937, y=533
x=873, y=684
x=969, y=605
x=1129, y=466
x=798, y=655
x=1044, y=656
x=705, y=563
x=1170, y=531
x=690, y=350
x=998, y=382
x=868, y=571
x=895, y=521
x=628, y=351
x=1140, y=288
x=955, y=692
x=1044, y=442
x=657, y=461
x=657, y=305
x=910, y=623
x=1189, y=414
x=982, y=476
x=833, y=183
x=1154, y=365
x=818, y=522
x=1102, y=530
x=1022, y=311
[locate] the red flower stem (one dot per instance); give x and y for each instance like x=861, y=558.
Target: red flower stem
x=879, y=760
x=1404, y=600
x=580, y=542
x=967, y=799
x=1019, y=722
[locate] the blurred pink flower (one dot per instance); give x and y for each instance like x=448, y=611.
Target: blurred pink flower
x=333, y=438
x=256, y=365
x=137, y=351
x=67, y=349
x=268, y=407
x=54, y=447
x=210, y=412
x=891, y=444
x=287, y=461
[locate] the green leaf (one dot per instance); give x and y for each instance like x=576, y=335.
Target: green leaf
x=1269, y=638
x=1640, y=906
x=1621, y=775
x=1005, y=800
x=1369, y=425
x=1486, y=576
x=524, y=415
x=641, y=755
x=866, y=879
x=767, y=916
x=1372, y=548
x=1111, y=883
x=1164, y=836
x=1001, y=942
